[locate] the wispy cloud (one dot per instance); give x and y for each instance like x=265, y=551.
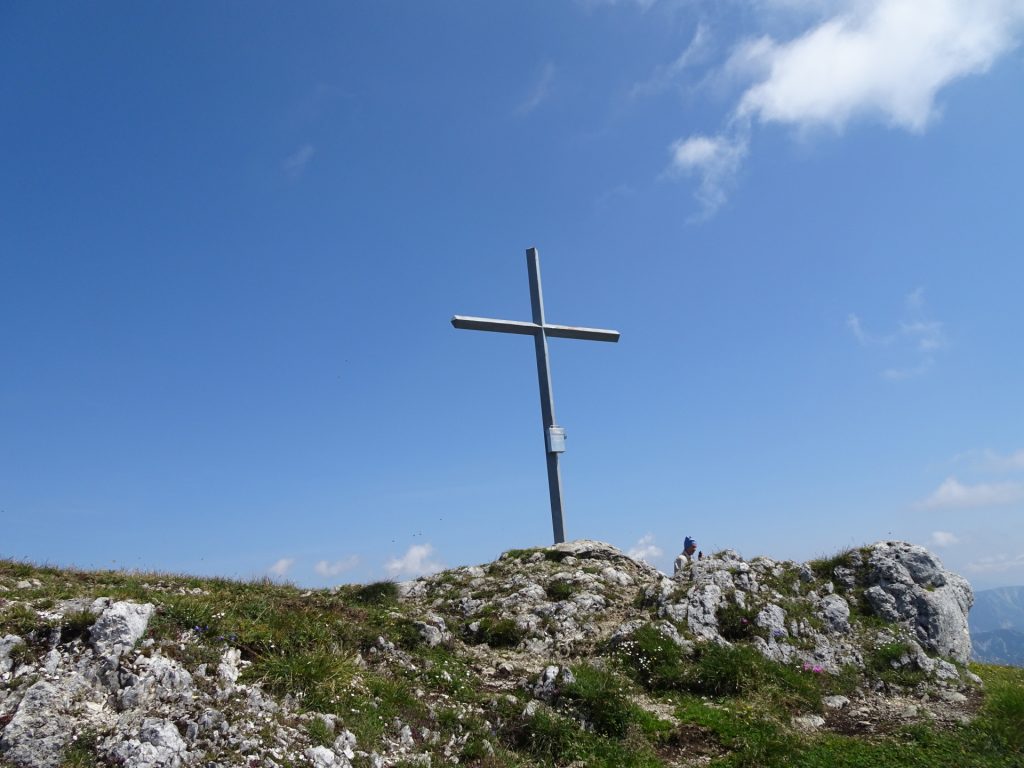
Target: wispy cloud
x=296, y=162
x=995, y=462
x=643, y=5
x=325, y=568
x=645, y=549
x=943, y=539
x=952, y=494
x=540, y=91
x=908, y=371
x=417, y=561
x=997, y=564
x=668, y=75
x=883, y=61
x=915, y=341
x=281, y=567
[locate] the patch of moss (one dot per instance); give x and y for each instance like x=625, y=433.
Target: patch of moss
x=560, y=589
x=653, y=660
x=886, y=662
x=83, y=751
x=495, y=632
x=319, y=732
x=736, y=623
x=520, y=554
x=378, y=593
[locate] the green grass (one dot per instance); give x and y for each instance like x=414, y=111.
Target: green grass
x=19, y=619
x=75, y=625
x=752, y=736
x=602, y=699
x=520, y=554
x=660, y=665
x=560, y=590
x=549, y=738
x=83, y=752
x=497, y=633
x=824, y=567
x=880, y=663
x=378, y=593
x=742, y=671
x=320, y=732
x=369, y=710
x=737, y=623
x=653, y=660
x=318, y=676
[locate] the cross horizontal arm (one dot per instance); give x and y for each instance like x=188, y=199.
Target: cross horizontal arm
x=530, y=329
x=490, y=324
x=572, y=332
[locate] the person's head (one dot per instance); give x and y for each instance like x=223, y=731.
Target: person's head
x=689, y=546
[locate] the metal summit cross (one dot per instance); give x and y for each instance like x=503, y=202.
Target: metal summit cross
x=554, y=435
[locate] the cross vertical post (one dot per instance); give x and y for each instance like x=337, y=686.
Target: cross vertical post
x=554, y=436
x=547, y=397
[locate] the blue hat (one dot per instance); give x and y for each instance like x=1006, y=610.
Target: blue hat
x=689, y=543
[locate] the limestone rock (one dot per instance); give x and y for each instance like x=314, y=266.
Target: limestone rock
x=835, y=702
x=773, y=619
x=836, y=612
x=119, y=627
x=809, y=722
x=433, y=630
x=323, y=757
x=552, y=680
x=702, y=611
x=909, y=585
x=37, y=734
x=7, y=644
x=159, y=745
x=162, y=679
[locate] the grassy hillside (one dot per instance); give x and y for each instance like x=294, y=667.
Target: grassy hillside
x=357, y=653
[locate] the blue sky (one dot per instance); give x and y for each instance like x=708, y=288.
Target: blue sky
x=233, y=236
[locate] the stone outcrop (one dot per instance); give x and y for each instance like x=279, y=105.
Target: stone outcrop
x=907, y=584
x=518, y=622
x=894, y=581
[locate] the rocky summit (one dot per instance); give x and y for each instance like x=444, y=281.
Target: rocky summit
x=574, y=655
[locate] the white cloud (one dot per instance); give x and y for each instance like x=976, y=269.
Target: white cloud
x=943, y=539
x=296, y=162
x=645, y=549
x=997, y=564
x=883, y=61
x=281, y=567
x=415, y=562
x=716, y=159
x=540, y=92
x=325, y=568
x=952, y=494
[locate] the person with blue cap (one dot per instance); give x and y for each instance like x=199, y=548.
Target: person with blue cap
x=684, y=559
x=689, y=547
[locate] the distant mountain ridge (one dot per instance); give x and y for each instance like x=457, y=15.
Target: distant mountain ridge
x=1000, y=646
x=1001, y=608
x=997, y=626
